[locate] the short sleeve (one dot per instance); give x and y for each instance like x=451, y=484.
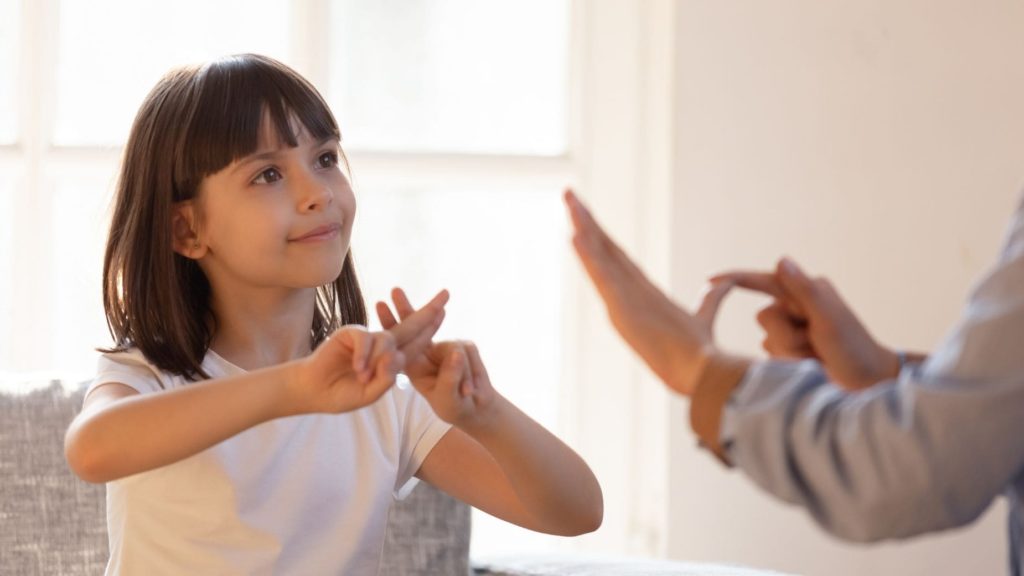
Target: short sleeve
x=421, y=429
x=129, y=368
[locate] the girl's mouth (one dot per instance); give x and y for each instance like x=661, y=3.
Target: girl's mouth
x=319, y=234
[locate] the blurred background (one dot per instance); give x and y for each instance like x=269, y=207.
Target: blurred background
x=877, y=143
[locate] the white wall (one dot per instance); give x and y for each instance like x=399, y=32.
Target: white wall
x=880, y=144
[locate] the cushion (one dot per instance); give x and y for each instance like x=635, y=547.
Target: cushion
x=53, y=523
x=428, y=533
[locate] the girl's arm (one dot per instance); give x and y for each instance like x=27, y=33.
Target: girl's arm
x=498, y=459
x=121, y=432
x=514, y=469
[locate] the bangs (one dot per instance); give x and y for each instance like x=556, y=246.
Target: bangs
x=233, y=96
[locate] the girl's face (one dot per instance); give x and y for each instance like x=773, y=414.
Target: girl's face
x=280, y=217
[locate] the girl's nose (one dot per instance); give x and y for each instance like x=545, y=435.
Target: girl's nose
x=315, y=194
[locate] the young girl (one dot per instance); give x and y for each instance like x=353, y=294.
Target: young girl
x=245, y=422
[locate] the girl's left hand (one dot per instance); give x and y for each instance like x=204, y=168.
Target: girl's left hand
x=450, y=375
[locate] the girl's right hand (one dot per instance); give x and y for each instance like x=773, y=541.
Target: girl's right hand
x=355, y=367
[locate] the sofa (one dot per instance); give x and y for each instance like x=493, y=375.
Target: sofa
x=53, y=523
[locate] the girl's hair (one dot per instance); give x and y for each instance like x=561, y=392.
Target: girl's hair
x=196, y=121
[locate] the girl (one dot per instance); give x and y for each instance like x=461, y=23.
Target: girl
x=245, y=422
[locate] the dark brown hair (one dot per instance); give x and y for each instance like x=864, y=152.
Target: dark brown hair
x=195, y=122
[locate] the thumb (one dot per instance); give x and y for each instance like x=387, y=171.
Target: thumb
x=798, y=286
x=711, y=301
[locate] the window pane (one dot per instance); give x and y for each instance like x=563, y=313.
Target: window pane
x=80, y=223
x=113, y=52
x=10, y=22
x=500, y=253
x=451, y=75
x=6, y=272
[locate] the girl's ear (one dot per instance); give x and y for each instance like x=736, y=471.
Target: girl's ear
x=184, y=237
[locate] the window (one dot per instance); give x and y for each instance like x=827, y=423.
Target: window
x=6, y=262
x=458, y=134
x=451, y=75
x=10, y=18
x=137, y=42
x=454, y=115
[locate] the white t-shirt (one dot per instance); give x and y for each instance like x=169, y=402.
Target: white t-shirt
x=300, y=495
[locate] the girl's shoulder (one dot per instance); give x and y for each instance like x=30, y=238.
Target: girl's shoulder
x=131, y=368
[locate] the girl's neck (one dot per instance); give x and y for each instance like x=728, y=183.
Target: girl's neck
x=263, y=329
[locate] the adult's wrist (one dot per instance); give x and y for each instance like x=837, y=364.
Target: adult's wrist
x=718, y=379
x=885, y=366
x=687, y=370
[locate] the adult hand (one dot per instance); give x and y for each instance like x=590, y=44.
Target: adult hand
x=809, y=319
x=675, y=344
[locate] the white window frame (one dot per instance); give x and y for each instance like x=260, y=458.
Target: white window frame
x=616, y=412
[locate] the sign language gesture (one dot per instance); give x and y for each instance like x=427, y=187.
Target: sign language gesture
x=674, y=343
x=354, y=367
x=450, y=375
x=809, y=319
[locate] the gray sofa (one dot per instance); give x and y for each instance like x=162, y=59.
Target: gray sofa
x=53, y=523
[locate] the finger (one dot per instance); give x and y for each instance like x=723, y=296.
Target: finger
x=594, y=264
x=359, y=342
x=798, y=286
x=419, y=321
x=386, y=369
x=587, y=236
x=763, y=282
x=402, y=304
x=387, y=319
x=787, y=337
x=468, y=384
x=422, y=340
x=476, y=366
x=453, y=370
x=598, y=241
x=612, y=271
x=777, y=350
x=578, y=214
x=383, y=345
x=438, y=301
x=710, y=302
x=615, y=279
x=371, y=350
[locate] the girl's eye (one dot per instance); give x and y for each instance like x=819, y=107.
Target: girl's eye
x=268, y=176
x=327, y=160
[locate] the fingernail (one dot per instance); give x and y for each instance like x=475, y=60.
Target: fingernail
x=788, y=267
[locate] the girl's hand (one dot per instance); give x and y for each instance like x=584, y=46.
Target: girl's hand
x=349, y=370
x=458, y=387
x=450, y=375
x=354, y=367
x=809, y=319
